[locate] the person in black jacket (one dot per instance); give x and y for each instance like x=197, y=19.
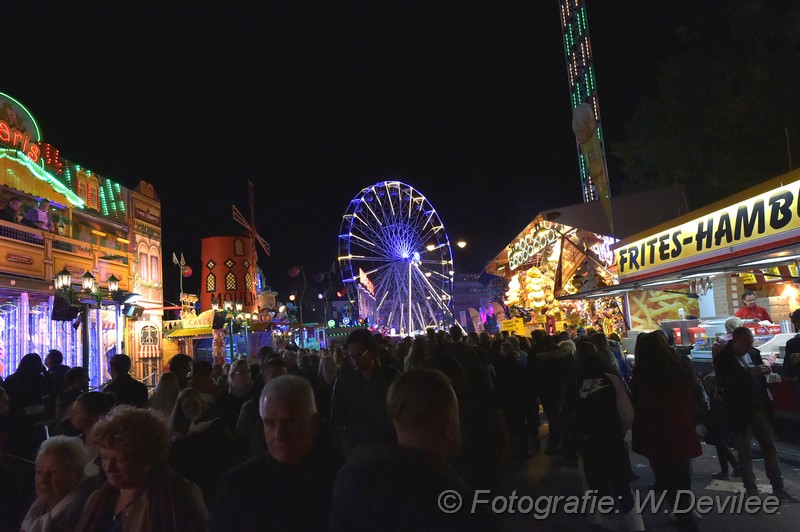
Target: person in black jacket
x=358, y=404
x=602, y=415
x=397, y=486
x=289, y=487
x=741, y=375
x=201, y=446
x=128, y=390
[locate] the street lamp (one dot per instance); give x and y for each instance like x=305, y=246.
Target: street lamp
x=233, y=313
x=113, y=283
x=229, y=316
x=90, y=287
x=63, y=279
x=88, y=282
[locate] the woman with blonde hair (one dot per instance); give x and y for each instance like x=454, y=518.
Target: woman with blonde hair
x=165, y=394
x=199, y=438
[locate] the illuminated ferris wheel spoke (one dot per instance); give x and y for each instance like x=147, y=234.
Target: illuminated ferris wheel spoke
x=373, y=213
x=364, y=240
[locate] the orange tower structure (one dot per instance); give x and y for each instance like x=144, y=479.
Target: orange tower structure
x=228, y=272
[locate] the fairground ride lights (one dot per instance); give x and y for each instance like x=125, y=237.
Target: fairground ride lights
x=529, y=245
x=771, y=213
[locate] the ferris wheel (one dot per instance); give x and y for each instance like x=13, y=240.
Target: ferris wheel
x=395, y=259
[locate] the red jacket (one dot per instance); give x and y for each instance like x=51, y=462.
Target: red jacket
x=663, y=428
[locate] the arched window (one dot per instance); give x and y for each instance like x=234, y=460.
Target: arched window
x=155, y=265
x=144, y=263
x=230, y=281
x=211, y=283
x=92, y=199
x=238, y=248
x=248, y=281
x=148, y=335
x=82, y=184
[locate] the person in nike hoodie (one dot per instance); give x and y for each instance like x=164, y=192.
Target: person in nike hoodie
x=603, y=414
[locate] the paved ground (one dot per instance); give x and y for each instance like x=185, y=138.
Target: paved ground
x=546, y=475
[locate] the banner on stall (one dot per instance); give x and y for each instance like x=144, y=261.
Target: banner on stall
x=772, y=214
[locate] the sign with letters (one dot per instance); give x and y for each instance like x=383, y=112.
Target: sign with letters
x=515, y=325
x=766, y=216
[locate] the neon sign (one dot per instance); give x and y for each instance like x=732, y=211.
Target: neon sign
x=22, y=141
x=18, y=128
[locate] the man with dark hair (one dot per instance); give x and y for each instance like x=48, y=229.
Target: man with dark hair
x=750, y=310
x=181, y=366
x=289, y=487
x=56, y=370
x=10, y=212
x=400, y=486
x=358, y=405
x=741, y=375
x=127, y=390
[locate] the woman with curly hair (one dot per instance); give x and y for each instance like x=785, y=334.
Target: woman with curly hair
x=663, y=426
x=141, y=491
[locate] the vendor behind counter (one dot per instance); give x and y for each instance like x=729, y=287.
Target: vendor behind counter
x=750, y=310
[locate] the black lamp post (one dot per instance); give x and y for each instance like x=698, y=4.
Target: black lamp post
x=232, y=312
x=63, y=283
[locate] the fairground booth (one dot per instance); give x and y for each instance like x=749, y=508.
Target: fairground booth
x=687, y=276
x=233, y=301
x=549, y=275
x=81, y=257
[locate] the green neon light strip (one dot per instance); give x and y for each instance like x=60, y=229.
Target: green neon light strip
x=103, y=200
x=30, y=115
x=13, y=155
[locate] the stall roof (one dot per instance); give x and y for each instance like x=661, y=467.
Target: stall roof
x=633, y=213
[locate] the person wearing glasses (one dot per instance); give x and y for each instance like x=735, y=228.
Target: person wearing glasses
x=751, y=311
x=358, y=404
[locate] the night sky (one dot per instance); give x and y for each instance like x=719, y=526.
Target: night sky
x=466, y=101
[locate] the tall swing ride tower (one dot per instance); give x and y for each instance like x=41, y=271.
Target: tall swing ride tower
x=582, y=81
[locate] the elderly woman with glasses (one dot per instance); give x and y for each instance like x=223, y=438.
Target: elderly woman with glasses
x=61, y=488
x=141, y=491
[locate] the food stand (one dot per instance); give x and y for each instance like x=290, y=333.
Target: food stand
x=708, y=258
x=559, y=272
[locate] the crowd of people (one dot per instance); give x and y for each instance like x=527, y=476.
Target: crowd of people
x=365, y=436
